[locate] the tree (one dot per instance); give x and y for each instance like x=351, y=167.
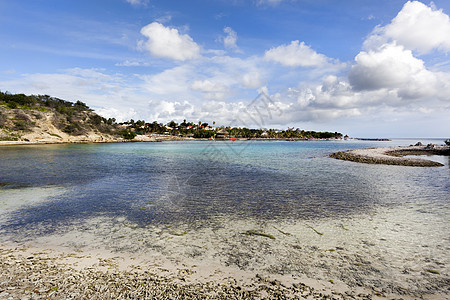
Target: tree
x=127, y=134
x=81, y=104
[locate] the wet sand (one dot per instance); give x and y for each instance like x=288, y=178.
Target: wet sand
x=103, y=258
x=34, y=273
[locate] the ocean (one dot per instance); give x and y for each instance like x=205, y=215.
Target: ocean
x=377, y=226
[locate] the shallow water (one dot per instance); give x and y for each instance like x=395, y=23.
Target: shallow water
x=389, y=224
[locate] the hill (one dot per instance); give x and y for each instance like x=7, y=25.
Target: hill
x=45, y=119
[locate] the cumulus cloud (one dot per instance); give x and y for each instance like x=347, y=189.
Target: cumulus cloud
x=392, y=67
x=167, y=42
x=417, y=27
x=389, y=62
x=165, y=111
x=296, y=54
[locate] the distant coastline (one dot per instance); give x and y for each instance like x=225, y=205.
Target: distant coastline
x=372, y=139
x=152, y=138
x=42, y=119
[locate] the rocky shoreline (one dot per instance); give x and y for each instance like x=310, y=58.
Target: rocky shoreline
x=395, y=155
x=96, y=139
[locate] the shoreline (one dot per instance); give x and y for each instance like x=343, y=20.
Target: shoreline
x=394, y=155
x=141, y=139
x=42, y=273
x=111, y=258
x=33, y=272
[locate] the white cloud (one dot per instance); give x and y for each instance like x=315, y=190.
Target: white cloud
x=208, y=86
x=130, y=63
x=392, y=67
x=252, y=80
x=165, y=42
x=385, y=78
x=211, y=90
x=164, y=19
x=296, y=54
x=269, y=2
x=389, y=66
x=165, y=111
x=121, y=115
x=175, y=81
x=137, y=2
x=110, y=95
x=231, y=39
x=416, y=27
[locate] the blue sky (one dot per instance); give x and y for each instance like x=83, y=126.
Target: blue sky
x=364, y=68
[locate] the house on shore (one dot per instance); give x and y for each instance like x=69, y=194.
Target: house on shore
x=222, y=135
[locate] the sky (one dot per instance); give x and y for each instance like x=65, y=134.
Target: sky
x=366, y=68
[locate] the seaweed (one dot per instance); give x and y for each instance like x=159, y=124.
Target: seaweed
x=172, y=232
x=254, y=232
x=319, y=233
x=282, y=232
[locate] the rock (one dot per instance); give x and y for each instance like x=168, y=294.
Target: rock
x=418, y=144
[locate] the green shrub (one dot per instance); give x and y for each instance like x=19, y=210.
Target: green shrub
x=96, y=120
x=11, y=105
x=20, y=125
x=9, y=138
x=72, y=128
x=2, y=119
x=127, y=134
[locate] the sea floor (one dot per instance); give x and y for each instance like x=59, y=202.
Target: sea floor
x=371, y=255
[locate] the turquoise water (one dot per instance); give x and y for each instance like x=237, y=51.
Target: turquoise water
x=183, y=181
x=382, y=213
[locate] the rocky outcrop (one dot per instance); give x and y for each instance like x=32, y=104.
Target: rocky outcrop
x=394, y=155
x=33, y=125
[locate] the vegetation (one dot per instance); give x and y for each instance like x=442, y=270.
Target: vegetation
x=72, y=118
x=127, y=134
x=204, y=130
x=257, y=233
x=78, y=119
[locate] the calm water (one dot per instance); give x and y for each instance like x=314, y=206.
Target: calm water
x=193, y=181
x=388, y=224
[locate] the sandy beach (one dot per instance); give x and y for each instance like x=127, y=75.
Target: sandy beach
x=104, y=259
x=35, y=273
